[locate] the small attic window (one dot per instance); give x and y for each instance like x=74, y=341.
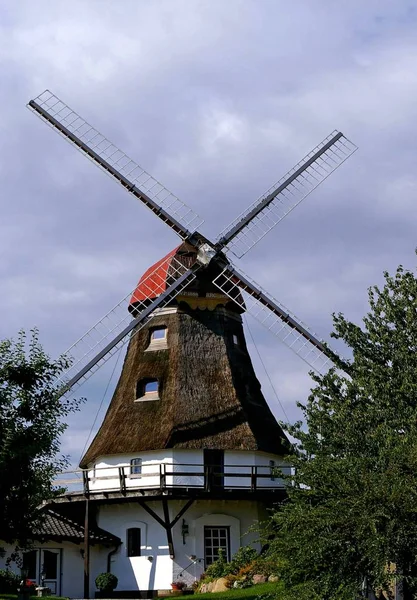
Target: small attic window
x=147, y=389
x=158, y=338
x=158, y=333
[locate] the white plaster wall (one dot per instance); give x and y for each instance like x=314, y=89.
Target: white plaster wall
x=104, y=475
x=244, y=461
x=188, y=461
x=262, y=461
x=140, y=572
x=241, y=462
x=107, y=468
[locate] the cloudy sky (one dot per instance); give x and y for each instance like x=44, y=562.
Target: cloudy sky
x=217, y=100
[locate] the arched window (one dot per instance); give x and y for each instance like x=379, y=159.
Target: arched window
x=136, y=466
x=147, y=389
x=133, y=541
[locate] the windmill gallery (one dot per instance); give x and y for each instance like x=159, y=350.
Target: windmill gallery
x=185, y=459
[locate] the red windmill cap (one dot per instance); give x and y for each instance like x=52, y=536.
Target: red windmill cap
x=154, y=281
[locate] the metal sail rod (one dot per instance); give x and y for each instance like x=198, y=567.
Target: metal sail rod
x=229, y=235
x=278, y=320
x=145, y=313
x=115, y=163
x=160, y=212
x=249, y=287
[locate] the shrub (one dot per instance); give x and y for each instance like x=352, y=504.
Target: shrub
x=244, y=556
x=9, y=582
x=106, y=582
x=247, y=570
x=230, y=580
x=219, y=568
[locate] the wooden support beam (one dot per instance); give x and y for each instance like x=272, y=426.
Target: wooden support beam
x=166, y=523
x=168, y=528
x=182, y=511
x=86, y=550
x=153, y=514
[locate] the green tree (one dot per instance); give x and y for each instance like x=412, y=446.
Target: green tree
x=31, y=423
x=351, y=514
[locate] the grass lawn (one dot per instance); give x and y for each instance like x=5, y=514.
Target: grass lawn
x=246, y=594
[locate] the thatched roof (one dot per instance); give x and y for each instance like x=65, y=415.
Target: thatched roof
x=209, y=394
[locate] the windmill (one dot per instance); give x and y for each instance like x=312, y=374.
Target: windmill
x=188, y=429
x=211, y=260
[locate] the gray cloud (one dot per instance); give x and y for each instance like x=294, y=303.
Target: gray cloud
x=217, y=100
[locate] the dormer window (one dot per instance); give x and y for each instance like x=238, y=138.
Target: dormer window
x=147, y=389
x=158, y=338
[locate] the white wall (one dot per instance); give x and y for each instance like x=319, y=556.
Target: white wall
x=107, y=467
x=140, y=572
x=104, y=474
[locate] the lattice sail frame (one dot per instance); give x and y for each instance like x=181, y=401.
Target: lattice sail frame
x=272, y=314
x=294, y=188
x=112, y=331
x=99, y=145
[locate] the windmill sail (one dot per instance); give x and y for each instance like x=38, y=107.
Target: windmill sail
x=280, y=199
x=116, y=163
x=109, y=334
x=277, y=318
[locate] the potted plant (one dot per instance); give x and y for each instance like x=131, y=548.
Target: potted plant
x=106, y=582
x=178, y=586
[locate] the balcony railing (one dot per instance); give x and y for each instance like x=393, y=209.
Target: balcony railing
x=165, y=476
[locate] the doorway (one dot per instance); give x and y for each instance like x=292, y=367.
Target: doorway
x=44, y=563
x=214, y=470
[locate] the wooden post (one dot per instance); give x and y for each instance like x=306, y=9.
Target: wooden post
x=86, y=551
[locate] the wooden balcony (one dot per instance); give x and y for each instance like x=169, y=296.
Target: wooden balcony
x=172, y=479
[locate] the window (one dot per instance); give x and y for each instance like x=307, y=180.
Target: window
x=133, y=541
x=29, y=562
x=136, y=466
x=157, y=338
x=151, y=386
x=147, y=389
x=235, y=339
x=272, y=470
x=215, y=538
x=158, y=333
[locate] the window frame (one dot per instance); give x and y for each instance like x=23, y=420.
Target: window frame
x=155, y=340
x=133, y=546
x=142, y=395
x=212, y=558
x=136, y=463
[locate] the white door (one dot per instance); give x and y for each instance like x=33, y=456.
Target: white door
x=50, y=565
